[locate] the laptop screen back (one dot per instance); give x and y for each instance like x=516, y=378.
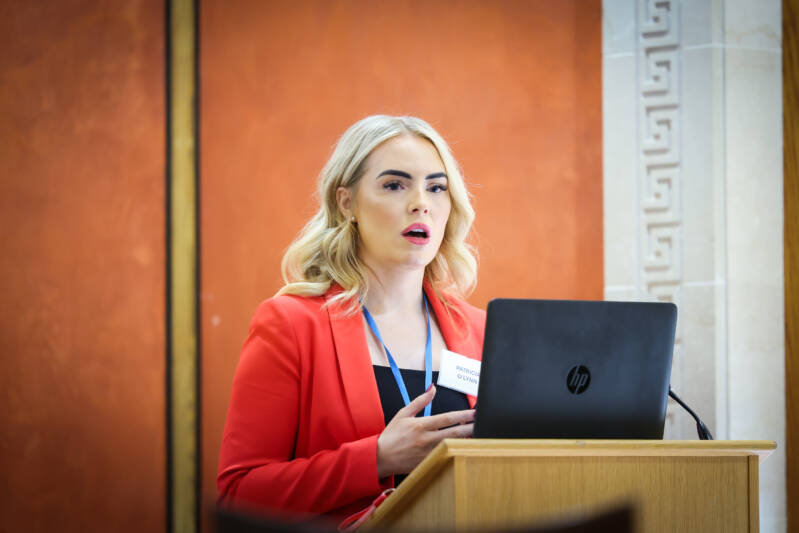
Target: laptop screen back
x=575, y=369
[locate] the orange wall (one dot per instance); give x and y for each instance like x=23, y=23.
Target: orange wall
x=515, y=87
x=82, y=269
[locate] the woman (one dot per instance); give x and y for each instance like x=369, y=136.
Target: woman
x=317, y=422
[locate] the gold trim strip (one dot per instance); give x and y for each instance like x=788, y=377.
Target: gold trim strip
x=790, y=132
x=183, y=253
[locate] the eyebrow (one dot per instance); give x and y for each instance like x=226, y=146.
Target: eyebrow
x=402, y=174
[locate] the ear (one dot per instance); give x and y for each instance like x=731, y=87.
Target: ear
x=344, y=200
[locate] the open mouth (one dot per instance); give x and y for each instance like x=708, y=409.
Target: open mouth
x=417, y=233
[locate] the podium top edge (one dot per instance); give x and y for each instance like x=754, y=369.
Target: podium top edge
x=492, y=447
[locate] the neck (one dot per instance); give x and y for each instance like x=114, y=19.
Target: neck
x=397, y=291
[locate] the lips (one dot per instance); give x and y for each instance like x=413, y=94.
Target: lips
x=417, y=234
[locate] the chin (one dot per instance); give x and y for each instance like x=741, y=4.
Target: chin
x=420, y=262
x=414, y=262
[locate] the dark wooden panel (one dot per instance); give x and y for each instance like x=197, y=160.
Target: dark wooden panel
x=790, y=92
x=82, y=269
x=515, y=86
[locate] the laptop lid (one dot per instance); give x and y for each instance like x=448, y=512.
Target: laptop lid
x=575, y=369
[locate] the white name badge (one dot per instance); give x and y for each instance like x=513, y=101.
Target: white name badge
x=459, y=373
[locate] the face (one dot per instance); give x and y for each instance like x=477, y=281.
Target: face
x=402, y=204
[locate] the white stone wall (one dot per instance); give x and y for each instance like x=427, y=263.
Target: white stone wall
x=692, y=112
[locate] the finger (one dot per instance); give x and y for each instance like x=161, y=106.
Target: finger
x=417, y=404
x=456, y=432
x=451, y=418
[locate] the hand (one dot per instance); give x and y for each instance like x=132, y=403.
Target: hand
x=407, y=439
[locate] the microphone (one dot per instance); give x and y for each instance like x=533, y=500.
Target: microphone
x=701, y=428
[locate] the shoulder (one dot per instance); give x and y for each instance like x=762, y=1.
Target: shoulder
x=465, y=314
x=474, y=316
x=287, y=309
x=283, y=331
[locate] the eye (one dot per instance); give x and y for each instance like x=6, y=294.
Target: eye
x=437, y=187
x=392, y=185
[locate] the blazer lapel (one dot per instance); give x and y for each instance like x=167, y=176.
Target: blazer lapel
x=357, y=375
x=456, y=341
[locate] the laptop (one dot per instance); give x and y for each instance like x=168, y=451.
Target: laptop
x=575, y=369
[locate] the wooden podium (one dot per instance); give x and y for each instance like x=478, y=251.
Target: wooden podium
x=492, y=484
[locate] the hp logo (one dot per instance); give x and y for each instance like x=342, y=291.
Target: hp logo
x=578, y=379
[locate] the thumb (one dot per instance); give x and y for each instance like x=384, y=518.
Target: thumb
x=418, y=403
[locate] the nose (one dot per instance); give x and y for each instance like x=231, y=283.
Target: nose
x=418, y=203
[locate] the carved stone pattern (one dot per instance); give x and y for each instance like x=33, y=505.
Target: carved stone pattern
x=659, y=154
x=659, y=172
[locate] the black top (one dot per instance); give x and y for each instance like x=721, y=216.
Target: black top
x=446, y=400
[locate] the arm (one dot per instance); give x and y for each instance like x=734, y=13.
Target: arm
x=257, y=463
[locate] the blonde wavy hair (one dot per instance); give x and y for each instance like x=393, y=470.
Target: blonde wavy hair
x=326, y=249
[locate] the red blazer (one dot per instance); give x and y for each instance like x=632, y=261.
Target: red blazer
x=305, y=413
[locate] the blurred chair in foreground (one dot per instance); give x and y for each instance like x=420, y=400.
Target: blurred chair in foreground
x=618, y=520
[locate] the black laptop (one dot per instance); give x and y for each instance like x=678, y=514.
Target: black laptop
x=575, y=369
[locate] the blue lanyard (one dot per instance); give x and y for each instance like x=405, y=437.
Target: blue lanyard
x=428, y=357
